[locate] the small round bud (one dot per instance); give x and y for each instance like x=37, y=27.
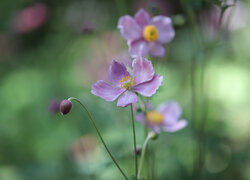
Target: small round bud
x=138, y=151
x=65, y=106
x=152, y=135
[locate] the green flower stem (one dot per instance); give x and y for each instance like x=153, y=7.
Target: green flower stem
x=134, y=136
x=153, y=155
x=144, y=147
x=99, y=134
x=143, y=107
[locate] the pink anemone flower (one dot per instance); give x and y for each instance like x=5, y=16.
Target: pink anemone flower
x=125, y=86
x=31, y=18
x=145, y=35
x=165, y=116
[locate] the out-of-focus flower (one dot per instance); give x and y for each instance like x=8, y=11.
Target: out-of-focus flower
x=65, y=106
x=209, y=19
x=234, y=18
x=166, y=115
x=30, y=18
x=85, y=149
x=124, y=85
x=54, y=106
x=145, y=35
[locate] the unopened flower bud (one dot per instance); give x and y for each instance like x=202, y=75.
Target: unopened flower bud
x=138, y=151
x=65, y=106
x=153, y=135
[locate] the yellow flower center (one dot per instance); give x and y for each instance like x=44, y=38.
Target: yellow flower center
x=127, y=82
x=154, y=117
x=150, y=33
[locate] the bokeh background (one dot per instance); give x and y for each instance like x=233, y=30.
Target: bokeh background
x=52, y=50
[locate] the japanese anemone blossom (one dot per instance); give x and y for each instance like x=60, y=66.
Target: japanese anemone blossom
x=124, y=85
x=145, y=35
x=166, y=115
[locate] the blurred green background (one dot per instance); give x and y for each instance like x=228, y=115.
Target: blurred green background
x=52, y=50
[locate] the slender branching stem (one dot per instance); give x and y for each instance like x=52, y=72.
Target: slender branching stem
x=99, y=134
x=144, y=110
x=144, y=147
x=134, y=137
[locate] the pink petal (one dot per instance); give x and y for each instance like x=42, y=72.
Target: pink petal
x=106, y=91
x=130, y=30
x=156, y=49
x=138, y=48
x=142, y=18
x=140, y=118
x=155, y=128
x=142, y=70
x=171, y=109
x=164, y=26
x=149, y=88
x=117, y=71
x=127, y=98
x=176, y=127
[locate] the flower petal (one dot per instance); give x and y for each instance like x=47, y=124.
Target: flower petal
x=156, y=49
x=149, y=88
x=130, y=30
x=106, y=91
x=142, y=18
x=127, y=98
x=142, y=70
x=155, y=128
x=138, y=48
x=171, y=109
x=164, y=26
x=117, y=71
x=140, y=117
x=175, y=127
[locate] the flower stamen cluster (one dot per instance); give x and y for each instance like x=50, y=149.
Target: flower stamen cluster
x=155, y=117
x=127, y=82
x=150, y=33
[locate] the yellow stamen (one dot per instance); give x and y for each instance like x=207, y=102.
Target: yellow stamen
x=154, y=117
x=127, y=82
x=150, y=33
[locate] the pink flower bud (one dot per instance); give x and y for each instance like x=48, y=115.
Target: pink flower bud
x=65, y=106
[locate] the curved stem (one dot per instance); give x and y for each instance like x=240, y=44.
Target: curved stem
x=99, y=134
x=134, y=137
x=144, y=147
x=144, y=110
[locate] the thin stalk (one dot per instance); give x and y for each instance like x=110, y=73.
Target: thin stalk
x=144, y=148
x=134, y=137
x=153, y=167
x=99, y=134
x=143, y=107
